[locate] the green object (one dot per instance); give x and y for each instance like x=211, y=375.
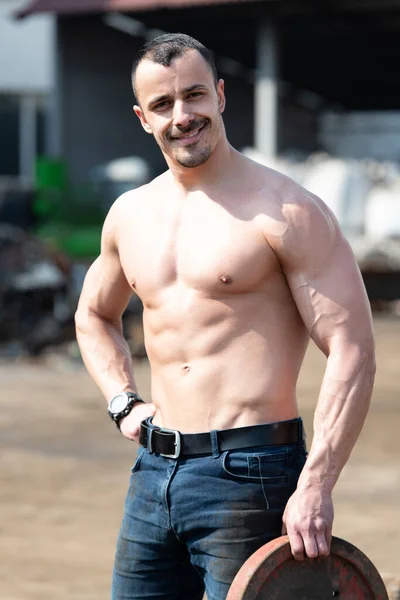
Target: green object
x=77, y=242
x=50, y=173
x=50, y=184
x=70, y=217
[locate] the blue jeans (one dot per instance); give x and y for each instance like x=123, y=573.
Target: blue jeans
x=190, y=523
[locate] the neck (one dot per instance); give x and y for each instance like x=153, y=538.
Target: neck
x=208, y=173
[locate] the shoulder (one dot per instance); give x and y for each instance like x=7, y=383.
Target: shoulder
x=137, y=197
x=296, y=223
x=293, y=201
x=128, y=207
x=306, y=215
x=290, y=196
x=127, y=201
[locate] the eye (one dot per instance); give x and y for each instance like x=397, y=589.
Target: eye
x=161, y=105
x=195, y=94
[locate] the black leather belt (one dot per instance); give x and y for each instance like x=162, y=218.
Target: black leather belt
x=172, y=443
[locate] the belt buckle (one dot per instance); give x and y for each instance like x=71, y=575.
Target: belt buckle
x=177, y=443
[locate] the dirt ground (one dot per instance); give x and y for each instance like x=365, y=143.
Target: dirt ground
x=64, y=471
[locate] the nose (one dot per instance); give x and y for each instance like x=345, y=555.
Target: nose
x=182, y=116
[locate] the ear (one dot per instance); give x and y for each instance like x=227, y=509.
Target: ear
x=221, y=95
x=139, y=113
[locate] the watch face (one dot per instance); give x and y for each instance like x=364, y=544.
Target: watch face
x=118, y=403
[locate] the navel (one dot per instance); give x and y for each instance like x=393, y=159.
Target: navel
x=225, y=278
x=186, y=368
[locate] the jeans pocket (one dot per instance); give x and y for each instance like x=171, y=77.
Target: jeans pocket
x=266, y=472
x=255, y=466
x=138, y=460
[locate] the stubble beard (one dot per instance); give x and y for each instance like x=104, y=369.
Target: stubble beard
x=195, y=159
x=192, y=157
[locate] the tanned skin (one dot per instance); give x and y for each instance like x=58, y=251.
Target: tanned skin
x=237, y=267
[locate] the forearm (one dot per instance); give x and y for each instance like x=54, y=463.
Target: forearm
x=105, y=353
x=340, y=414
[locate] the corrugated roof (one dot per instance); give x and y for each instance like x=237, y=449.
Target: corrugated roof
x=88, y=6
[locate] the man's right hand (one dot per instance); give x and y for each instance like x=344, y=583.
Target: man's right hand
x=130, y=425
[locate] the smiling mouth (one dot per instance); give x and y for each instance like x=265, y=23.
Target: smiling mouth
x=189, y=138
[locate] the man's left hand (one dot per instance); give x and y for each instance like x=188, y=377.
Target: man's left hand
x=308, y=520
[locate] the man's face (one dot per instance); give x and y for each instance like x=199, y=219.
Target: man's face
x=181, y=106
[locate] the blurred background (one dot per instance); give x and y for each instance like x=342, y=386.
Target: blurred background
x=313, y=91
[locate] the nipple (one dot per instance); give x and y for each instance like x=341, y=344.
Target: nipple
x=225, y=278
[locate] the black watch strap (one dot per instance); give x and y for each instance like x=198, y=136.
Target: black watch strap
x=133, y=399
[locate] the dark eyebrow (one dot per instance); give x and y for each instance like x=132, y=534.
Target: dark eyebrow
x=156, y=100
x=163, y=97
x=195, y=86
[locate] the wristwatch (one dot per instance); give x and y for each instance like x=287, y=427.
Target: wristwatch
x=121, y=405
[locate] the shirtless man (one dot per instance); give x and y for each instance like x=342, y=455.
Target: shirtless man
x=237, y=267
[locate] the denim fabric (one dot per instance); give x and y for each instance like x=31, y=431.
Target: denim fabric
x=190, y=524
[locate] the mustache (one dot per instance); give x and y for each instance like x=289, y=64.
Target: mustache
x=176, y=132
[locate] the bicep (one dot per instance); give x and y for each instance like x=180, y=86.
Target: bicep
x=332, y=300
x=105, y=291
x=324, y=277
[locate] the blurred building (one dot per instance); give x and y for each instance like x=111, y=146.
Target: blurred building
x=289, y=65
x=26, y=84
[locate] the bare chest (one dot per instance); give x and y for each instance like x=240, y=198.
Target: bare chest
x=209, y=250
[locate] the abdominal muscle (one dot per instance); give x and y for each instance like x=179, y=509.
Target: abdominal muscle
x=223, y=362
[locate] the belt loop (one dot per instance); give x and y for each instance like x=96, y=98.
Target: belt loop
x=302, y=435
x=149, y=440
x=150, y=429
x=214, y=443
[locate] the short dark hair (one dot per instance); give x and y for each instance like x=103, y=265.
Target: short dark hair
x=165, y=48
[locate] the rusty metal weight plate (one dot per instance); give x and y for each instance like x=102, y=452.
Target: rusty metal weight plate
x=271, y=573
